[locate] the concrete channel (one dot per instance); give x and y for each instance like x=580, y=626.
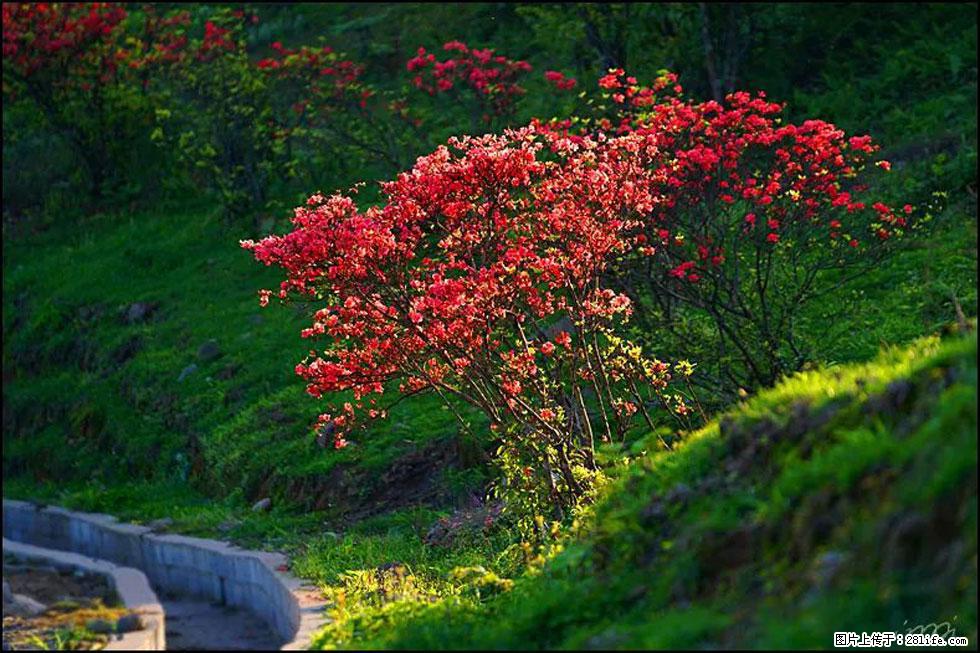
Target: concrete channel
x=214, y=595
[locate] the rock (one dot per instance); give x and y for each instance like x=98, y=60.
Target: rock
x=227, y=372
x=160, y=524
x=680, y=493
x=226, y=526
x=826, y=568
x=186, y=372
x=100, y=626
x=8, y=595
x=129, y=623
x=23, y=606
x=256, y=319
x=262, y=505
x=209, y=351
x=138, y=312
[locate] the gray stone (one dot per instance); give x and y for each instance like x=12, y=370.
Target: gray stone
x=680, y=493
x=138, y=312
x=262, y=505
x=209, y=351
x=129, y=623
x=160, y=524
x=827, y=568
x=187, y=371
x=8, y=595
x=23, y=606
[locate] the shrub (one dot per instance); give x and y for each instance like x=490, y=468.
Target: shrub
x=481, y=279
x=63, y=58
x=484, y=83
x=214, y=109
x=325, y=105
x=753, y=219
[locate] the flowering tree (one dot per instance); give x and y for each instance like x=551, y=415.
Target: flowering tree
x=322, y=100
x=756, y=217
x=214, y=108
x=481, y=279
x=64, y=58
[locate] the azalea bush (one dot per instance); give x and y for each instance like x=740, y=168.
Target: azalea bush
x=759, y=217
x=502, y=271
x=755, y=217
x=214, y=109
x=328, y=109
x=64, y=59
x=482, y=278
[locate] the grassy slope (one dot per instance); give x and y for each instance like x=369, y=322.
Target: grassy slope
x=843, y=499
x=93, y=403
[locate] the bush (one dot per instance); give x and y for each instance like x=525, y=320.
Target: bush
x=63, y=59
x=752, y=218
x=481, y=279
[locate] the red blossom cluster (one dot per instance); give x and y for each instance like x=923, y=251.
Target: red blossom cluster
x=325, y=75
x=738, y=165
x=480, y=278
x=74, y=41
x=491, y=76
x=559, y=81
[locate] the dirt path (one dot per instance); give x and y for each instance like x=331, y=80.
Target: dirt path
x=203, y=626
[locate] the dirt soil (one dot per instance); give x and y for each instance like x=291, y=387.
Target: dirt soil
x=71, y=600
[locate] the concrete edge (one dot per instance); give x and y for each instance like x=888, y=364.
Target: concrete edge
x=210, y=569
x=131, y=584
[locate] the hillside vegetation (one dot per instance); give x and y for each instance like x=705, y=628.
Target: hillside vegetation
x=844, y=497
x=142, y=378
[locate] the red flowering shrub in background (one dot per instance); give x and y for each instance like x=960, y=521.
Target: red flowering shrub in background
x=491, y=79
x=559, y=81
x=324, y=103
x=482, y=279
x=214, y=107
x=759, y=218
x=64, y=56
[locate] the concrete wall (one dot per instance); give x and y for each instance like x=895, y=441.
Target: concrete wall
x=209, y=569
x=130, y=584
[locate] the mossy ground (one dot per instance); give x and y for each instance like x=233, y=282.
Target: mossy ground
x=844, y=499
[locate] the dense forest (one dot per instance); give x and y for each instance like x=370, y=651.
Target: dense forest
x=586, y=325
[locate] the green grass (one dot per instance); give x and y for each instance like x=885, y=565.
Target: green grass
x=95, y=415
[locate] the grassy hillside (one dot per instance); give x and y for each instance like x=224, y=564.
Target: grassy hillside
x=843, y=499
x=137, y=359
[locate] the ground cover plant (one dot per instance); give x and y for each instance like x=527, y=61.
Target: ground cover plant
x=590, y=300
